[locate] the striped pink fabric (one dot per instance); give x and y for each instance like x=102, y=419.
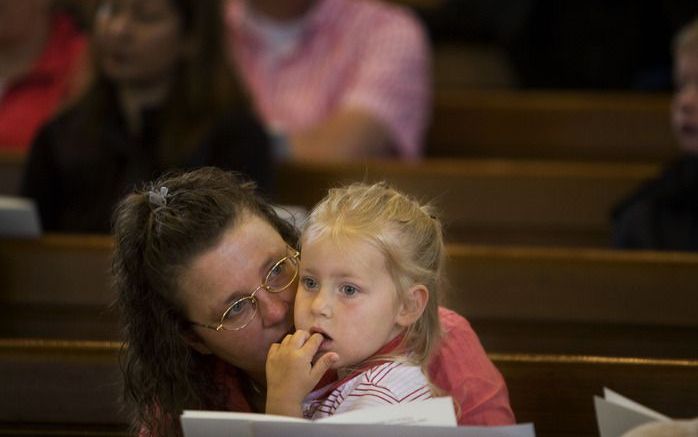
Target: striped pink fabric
x=350, y=54
x=385, y=384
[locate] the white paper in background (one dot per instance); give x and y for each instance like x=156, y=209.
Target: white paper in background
x=19, y=218
x=296, y=215
x=617, y=414
x=616, y=398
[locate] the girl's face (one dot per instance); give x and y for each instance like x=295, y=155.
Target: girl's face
x=684, y=111
x=139, y=42
x=346, y=293
x=232, y=270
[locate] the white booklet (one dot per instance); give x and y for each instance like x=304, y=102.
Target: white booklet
x=432, y=417
x=616, y=414
x=19, y=218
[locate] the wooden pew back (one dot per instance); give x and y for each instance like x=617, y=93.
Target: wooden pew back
x=594, y=301
x=519, y=299
x=590, y=285
x=11, y=168
x=55, y=387
x=63, y=385
x=555, y=392
x=492, y=202
x=563, y=125
x=57, y=286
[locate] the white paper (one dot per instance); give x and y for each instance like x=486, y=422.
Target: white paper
x=436, y=418
x=19, y=218
x=294, y=214
x=616, y=398
x=616, y=414
x=269, y=429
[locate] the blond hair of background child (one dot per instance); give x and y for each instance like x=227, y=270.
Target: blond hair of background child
x=367, y=305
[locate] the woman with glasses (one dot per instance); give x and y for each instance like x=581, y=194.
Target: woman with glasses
x=206, y=275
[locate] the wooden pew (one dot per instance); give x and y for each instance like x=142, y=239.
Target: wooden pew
x=560, y=125
x=11, y=168
x=597, y=301
x=491, y=201
x=555, y=392
x=519, y=299
x=58, y=285
x=506, y=124
x=60, y=388
x=53, y=386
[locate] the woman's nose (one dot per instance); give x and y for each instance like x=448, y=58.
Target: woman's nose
x=273, y=308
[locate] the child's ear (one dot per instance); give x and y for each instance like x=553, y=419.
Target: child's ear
x=412, y=306
x=194, y=341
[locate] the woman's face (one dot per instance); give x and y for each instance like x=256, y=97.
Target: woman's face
x=227, y=272
x=139, y=42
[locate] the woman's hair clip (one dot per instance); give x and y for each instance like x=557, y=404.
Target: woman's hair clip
x=158, y=199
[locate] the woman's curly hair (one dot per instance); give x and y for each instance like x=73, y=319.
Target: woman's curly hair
x=157, y=233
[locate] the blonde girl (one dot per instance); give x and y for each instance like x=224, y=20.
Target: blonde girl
x=370, y=272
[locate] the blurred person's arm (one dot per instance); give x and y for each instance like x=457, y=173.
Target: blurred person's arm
x=387, y=107
x=350, y=134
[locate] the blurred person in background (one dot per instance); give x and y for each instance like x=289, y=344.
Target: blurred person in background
x=663, y=213
x=42, y=67
x=334, y=80
x=163, y=97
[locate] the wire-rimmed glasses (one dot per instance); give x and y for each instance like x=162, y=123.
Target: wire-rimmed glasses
x=241, y=312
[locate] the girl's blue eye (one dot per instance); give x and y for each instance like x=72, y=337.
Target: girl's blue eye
x=308, y=283
x=349, y=290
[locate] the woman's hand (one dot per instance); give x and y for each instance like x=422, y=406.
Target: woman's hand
x=291, y=375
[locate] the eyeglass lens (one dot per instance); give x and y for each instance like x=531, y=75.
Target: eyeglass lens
x=242, y=311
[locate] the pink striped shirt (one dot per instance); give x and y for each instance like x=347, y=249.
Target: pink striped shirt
x=343, y=54
x=384, y=384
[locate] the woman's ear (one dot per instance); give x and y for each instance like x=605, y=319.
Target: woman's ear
x=194, y=341
x=412, y=306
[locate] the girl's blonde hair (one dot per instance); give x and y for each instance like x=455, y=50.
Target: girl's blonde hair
x=407, y=234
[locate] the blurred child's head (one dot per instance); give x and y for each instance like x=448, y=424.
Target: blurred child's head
x=684, y=115
x=371, y=264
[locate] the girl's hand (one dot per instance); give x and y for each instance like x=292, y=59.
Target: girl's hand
x=291, y=374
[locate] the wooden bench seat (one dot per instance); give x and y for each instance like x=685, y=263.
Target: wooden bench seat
x=54, y=386
x=565, y=125
x=491, y=202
